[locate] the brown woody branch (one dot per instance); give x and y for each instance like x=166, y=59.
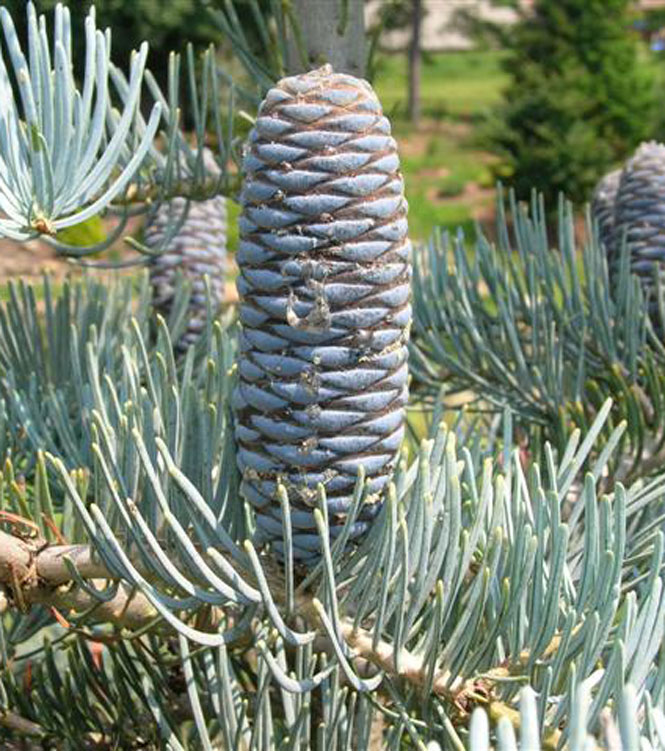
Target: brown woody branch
x=32, y=574
x=22, y=726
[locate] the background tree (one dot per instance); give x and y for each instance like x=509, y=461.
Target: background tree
x=414, y=60
x=398, y=15
x=578, y=100
x=168, y=26
x=335, y=33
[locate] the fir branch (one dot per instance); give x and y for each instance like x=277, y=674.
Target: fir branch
x=46, y=579
x=68, y=155
x=545, y=331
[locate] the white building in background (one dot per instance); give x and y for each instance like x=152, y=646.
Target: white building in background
x=437, y=31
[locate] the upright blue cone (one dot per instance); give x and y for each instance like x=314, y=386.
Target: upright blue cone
x=325, y=268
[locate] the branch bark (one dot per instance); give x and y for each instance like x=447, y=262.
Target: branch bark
x=16, y=723
x=32, y=561
x=36, y=575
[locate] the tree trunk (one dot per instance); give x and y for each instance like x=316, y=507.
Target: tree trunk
x=414, y=61
x=331, y=31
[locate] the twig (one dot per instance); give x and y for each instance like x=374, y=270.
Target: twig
x=18, y=724
x=35, y=574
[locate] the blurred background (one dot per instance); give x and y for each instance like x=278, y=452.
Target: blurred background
x=544, y=94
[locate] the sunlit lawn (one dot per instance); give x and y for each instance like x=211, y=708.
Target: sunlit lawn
x=453, y=84
x=447, y=172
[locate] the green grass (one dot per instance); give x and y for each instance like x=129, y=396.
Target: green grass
x=436, y=185
x=453, y=84
x=443, y=157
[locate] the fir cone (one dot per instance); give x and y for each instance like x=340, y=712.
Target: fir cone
x=602, y=209
x=640, y=213
x=324, y=285
x=198, y=248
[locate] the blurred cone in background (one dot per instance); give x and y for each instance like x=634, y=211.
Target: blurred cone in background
x=602, y=209
x=631, y=204
x=197, y=250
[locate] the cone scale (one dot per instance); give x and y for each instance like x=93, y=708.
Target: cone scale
x=325, y=268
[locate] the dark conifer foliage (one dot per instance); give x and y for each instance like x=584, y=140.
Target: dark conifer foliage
x=579, y=99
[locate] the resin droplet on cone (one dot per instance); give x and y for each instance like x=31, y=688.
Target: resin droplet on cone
x=324, y=279
x=197, y=249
